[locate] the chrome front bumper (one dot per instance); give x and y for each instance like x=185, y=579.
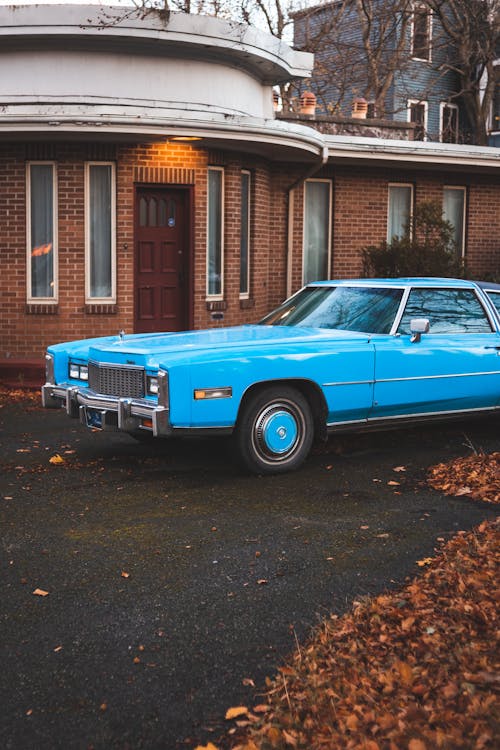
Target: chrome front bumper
x=108, y=412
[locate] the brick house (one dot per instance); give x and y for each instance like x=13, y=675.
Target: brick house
x=148, y=185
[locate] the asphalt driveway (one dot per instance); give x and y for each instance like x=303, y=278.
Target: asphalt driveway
x=146, y=587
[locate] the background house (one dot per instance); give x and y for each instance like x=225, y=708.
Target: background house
x=399, y=55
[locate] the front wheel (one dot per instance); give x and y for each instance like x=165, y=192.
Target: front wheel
x=275, y=430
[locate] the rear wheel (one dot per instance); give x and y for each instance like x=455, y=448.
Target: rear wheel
x=275, y=430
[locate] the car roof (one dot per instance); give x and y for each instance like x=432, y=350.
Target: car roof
x=416, y=281
x=489, y=286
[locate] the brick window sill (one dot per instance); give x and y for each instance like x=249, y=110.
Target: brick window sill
x=216, y=305
x=101, y=309
x=36, y=308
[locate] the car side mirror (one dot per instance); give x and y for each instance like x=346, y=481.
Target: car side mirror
x=418, y=326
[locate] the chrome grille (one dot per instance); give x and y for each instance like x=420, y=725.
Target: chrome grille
x=117, y=380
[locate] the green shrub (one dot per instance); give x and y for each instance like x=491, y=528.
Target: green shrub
x=426, y=249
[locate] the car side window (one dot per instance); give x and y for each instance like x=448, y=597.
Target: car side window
x=495, y=298
x=448, y=311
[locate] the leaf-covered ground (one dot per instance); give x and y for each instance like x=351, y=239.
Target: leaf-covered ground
x=27, y=398
x=417, y=669
x=477, y=476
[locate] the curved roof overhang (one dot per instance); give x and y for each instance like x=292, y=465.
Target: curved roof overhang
x=153, y=32
x=271, y=139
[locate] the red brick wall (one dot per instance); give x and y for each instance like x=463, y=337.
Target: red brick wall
x=359, y=219
x=360, y=214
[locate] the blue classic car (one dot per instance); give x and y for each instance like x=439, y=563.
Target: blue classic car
x=337, y=355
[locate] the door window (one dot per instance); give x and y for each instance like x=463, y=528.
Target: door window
x=448, y=310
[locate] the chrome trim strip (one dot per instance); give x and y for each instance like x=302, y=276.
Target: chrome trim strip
x=349, y=382
x=410, y=417
x=114, y=365
x=417, y=377
x=49, y=369
x=432, y=413
x=438, y=377
x=347, y=422
x=402, y=307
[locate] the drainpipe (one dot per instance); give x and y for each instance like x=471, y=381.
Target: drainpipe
x=290, y=208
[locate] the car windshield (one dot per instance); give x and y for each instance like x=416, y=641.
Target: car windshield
x=356, y=308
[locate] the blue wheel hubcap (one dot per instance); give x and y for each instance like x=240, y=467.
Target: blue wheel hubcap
x=279, y=431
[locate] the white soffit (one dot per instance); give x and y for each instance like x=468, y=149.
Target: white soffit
x=416, y=153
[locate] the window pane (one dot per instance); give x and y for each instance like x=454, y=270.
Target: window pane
x=449, y=132
x=399, y=211
x=245, y=232
x=152, y=218
x=316, y=230
x=417, y=115
x=495, y=298
x=453, y=211
x=348, y=309
x=143, y=212
x=214, y=231
x=162, y=213
x=42, y=229
x=448, y=310
x=100, y=230
x=421, y=34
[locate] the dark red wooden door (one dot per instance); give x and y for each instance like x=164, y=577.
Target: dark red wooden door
x=161, y=277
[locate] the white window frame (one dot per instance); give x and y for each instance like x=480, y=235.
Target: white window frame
x=426, y=112
x=246, y=294
x=412, y=199
x=442, y=107
x=329, y=239
x=89, y=300
x=463, y=190
x=220, y=295
x=29, y=291
x=416, y=7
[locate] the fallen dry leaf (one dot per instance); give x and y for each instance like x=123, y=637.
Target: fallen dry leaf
x=56, y=459
x=233, y=713
x=40, y=592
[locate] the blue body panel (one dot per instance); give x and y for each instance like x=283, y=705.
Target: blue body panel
x=359, y=377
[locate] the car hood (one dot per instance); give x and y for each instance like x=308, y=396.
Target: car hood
x=150, y=350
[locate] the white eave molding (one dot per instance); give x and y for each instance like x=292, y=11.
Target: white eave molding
x=425, y=153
